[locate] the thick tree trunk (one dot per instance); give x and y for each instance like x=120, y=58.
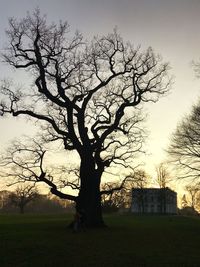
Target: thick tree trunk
x=89, y=200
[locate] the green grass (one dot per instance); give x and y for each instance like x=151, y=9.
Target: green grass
x=152, y=241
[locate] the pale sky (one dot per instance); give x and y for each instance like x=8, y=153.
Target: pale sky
x=171, y=27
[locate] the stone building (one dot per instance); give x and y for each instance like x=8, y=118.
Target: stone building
x=154, y=200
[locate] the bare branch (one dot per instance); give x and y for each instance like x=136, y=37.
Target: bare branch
x=184, y=150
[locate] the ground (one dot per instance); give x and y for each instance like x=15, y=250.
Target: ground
x=147, y=241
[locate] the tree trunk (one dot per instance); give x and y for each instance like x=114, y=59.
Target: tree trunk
x=89, y=200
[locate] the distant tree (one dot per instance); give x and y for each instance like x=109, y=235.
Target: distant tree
x=23, y=195
x=141, y=179
x=117, y=198
x=4, y=198
x=193, y=192
x=109, y=202
x=184, y=149
x=45, y=204
x=184, y=202
x=121, y=193
x=196, y=67
x=163, y=175
x=85, y=95
x=163, y=178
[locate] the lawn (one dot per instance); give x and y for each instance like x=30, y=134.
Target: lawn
x=146, y=241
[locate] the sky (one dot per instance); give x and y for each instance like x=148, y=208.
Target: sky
x=171, y=27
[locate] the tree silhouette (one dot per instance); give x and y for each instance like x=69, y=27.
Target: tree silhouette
x=184, y=149
x=163, y=175
x=23, y=195
x=117, y=195
x=86, y=95
x=193, y=192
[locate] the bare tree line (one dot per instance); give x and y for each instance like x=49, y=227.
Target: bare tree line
x=27, y=198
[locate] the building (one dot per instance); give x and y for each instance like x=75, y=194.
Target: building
x=154, y=200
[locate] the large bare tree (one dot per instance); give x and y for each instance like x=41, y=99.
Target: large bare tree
x=86, y=95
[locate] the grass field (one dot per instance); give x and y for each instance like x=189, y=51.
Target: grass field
x=152, y=241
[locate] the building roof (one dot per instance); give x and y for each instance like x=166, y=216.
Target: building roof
x=154, y=189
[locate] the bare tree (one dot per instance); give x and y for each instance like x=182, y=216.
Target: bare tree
x=23, y=195
x=193, y=192
x=196, y=67
x=184, y=149
x=162, y=179
x=86, y=95
x=115, y=199
x=184, y=202
x=163, y=175
x=121, y=193
x=140, y=179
